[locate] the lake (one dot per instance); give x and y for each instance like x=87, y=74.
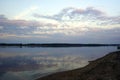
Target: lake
x=30, y=63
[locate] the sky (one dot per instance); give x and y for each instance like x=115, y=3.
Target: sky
x=59, y=21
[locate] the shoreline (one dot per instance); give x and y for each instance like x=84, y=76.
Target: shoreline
x=96, y=67
x=54, y=45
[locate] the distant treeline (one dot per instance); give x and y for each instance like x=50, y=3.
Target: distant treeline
x=55, y=45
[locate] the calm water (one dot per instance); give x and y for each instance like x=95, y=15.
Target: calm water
x=31, y=63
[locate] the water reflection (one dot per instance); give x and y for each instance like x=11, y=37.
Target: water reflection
x=30, y=63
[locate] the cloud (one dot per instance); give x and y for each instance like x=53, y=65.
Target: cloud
x=72, y=13
x=1, y=27
x=84, y=17
x=26, y=12
x=2, y=17
x=23, y=28
x=68, y=24
x=70, y=16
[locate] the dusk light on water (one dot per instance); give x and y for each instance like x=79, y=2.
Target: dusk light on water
x=59, y=39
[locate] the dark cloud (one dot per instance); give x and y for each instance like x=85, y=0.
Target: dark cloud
x=2, y=17
x=88, y=11
x=15, y=26
x=7, y=22
x=75, y=14
x=70, y=25
x=20, y=27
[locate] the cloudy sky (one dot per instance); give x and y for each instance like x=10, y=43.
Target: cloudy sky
x=51, y=21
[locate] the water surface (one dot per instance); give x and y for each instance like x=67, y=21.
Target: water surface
x=30, y=63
